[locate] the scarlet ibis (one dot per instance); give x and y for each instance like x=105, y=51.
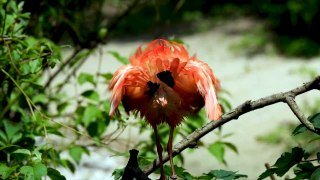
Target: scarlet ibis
x=163, y=84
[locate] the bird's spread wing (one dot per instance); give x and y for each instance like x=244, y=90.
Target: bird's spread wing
x=207, y=85
x=127, y=75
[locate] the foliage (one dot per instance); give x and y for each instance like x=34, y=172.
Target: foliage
x=82, y=22
x=303, y=144
x=295, y=24
x=292, y=25
x=301, y=159
x=213, y=174
x=184, y=174
x=26, y=116
x=217, y=149
x=33, y=112
x=23, y=124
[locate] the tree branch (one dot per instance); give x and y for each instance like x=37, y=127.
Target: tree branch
x=244, y=108
x=296, y=110
x=111, y=26
x=114, y=22
x=62, y=66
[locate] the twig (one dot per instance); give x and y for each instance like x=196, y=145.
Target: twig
x=73, y=72
x=296, y=110
x=5, y=38
x=234, y=114
x=268, y=167
x=11, y=58
x=62, y=66
x=111, y=26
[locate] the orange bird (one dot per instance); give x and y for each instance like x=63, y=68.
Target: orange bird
x=164, y=84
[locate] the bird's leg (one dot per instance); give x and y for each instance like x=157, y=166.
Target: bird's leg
x=169, y=149
x=159, y=150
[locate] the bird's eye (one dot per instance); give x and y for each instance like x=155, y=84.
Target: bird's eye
x=166, y=77
x=153, y=87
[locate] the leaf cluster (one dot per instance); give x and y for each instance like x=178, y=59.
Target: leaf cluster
x=22, y=125
x=303, y=160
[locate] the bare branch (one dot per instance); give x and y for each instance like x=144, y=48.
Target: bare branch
x=269, y=167
x=111, y=26
x=296, y=110
x=62, y=66
x=237, y=112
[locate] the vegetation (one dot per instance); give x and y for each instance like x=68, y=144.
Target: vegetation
x=36, y=113
x=24, y=123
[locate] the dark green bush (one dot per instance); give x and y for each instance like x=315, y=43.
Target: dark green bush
x=295, y=24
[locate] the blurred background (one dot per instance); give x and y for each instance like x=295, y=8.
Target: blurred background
x=58, y=57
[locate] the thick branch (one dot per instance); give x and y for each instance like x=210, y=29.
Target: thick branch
x=246, y=107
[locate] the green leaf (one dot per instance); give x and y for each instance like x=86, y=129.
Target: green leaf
x=93, y=129
x=31, y=67
x=227, y=135
x=314, y=119
x=225, y=175
x=40, y=98
x=37, y=154
x=91, y=94
x=91, y=114
x=117, y=173
x=226, y=105
x=304, y=171
x=12, y=130
x=62, y=107
x=107, y=76
x=68, y=164
x=55, y=174
x=31, y=42
x=40, y=170
x=16, y=138
x=231, y=147
x=96, y=128
x=28, y=172
x=180, y=172
x=35, y=65
x=3, y=138
x=177, y=40
x=287, y=160
x=34, y=172
x=102, y=33
x=85, y=77
x=217, y=150
x=106, y=106
x=76, y=153
x=299, y=129
x=6, y=171
x=118, y=57
x=316, y=174
x=284, y=163
x=22, y=151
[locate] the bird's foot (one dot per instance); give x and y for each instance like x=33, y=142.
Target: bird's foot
x=174, y=177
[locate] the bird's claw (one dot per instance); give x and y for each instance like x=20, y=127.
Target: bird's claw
x=174, y=177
